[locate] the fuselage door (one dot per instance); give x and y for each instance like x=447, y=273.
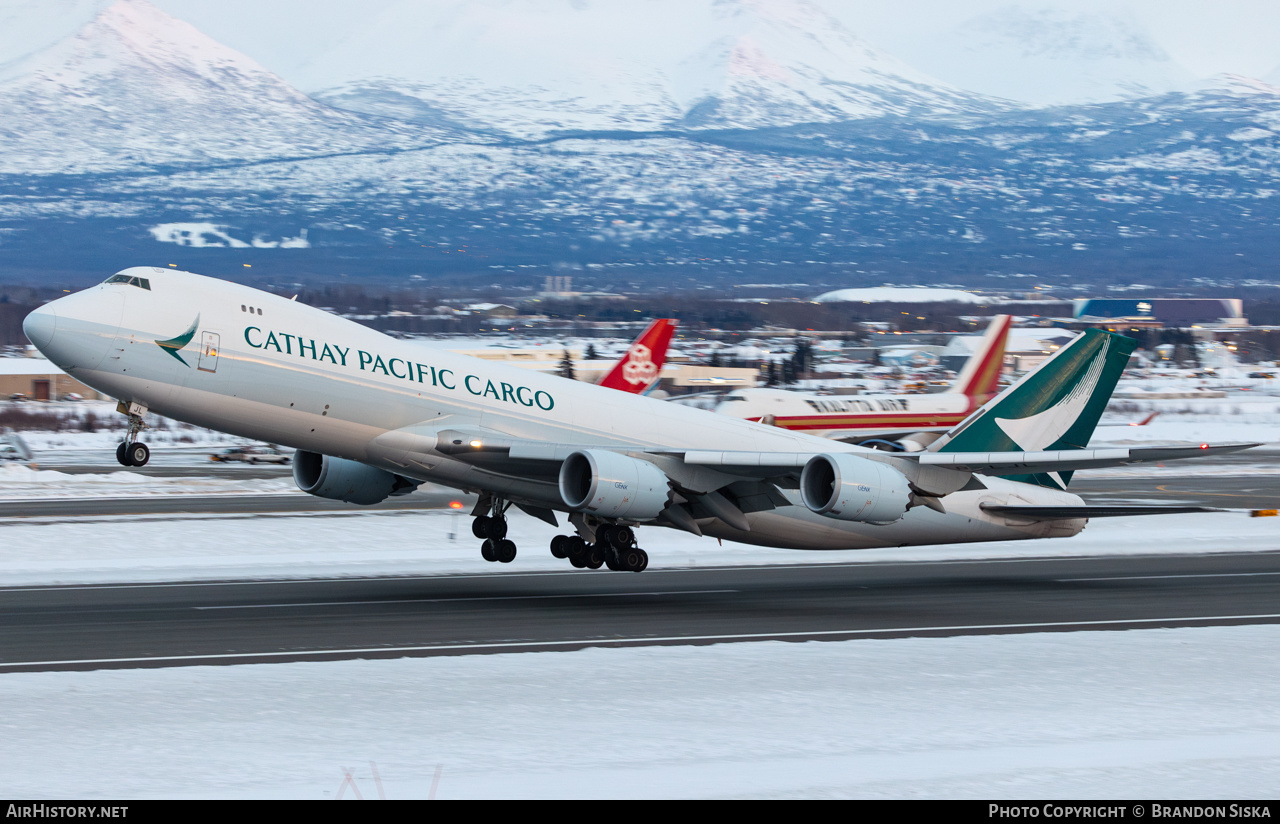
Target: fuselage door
x=209, y=345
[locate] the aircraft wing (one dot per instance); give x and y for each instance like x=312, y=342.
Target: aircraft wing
x=729, y=484
x=494, y=448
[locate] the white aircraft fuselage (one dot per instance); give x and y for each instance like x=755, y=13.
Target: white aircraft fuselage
x=238, y=360
x=849, y=416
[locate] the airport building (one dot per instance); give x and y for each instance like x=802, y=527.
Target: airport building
x=38, y=379
x=1170, y=313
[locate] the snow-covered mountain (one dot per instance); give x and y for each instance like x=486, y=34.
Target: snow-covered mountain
x=136, y=87
x=1051, y=54
x=535, y=66
x=211, y=156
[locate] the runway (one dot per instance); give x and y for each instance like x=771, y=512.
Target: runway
x=1247, y=491
x=233, y=622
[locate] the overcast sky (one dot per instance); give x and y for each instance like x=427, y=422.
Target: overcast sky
x=1205, y=36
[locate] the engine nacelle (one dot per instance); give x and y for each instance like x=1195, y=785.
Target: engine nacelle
x=344, y=480
x=613, y=486
x=851, y=488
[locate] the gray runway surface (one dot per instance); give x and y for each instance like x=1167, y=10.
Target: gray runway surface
x=121, y=626
x=1224, y=491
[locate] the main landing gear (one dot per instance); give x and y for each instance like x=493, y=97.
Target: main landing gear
x=131, y=451
x=614, y=548
x=493, y=530
x=612, y=545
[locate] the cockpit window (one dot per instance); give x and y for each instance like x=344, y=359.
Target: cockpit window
x=141, y=283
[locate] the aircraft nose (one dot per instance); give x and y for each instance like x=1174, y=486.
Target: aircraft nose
x=40, y=325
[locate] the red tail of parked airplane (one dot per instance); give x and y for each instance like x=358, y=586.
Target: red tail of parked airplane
x=642, y=364
x=980, y=377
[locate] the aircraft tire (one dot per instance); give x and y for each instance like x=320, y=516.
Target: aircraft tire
x=504, y=551
x=575, y=547
x=622, y=537
x=121, y=456
x=578, y=561
x=558, y=546
x=480, y=526
x=487, y=551
x=495, y=529
x=137, y=454
x=593, y=558
x=633, y=560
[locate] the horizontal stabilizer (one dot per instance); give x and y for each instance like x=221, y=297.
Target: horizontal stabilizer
x=1066, y=460
x=1062, y=513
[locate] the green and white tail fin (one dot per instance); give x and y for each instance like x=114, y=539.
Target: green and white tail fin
x=1056, y=406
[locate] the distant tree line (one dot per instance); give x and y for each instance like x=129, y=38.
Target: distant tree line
x=696, y=312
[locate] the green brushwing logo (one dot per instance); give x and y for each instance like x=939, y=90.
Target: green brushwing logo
x=1057, y=407
x=172, y=345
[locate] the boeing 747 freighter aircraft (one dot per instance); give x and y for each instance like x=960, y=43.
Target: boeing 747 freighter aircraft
x=372, y=416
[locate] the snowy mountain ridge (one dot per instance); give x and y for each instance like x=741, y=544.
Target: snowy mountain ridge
x=530, y=67
x=138, y=132
x=1054, y=55
x=137, y=87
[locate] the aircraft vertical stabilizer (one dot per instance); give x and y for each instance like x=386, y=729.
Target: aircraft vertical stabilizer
x=642, y=364
x=980, y=378
x=1056, y=407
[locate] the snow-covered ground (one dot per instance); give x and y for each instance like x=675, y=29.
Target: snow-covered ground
x=21, y=482
x=1167, y=713
x=1185, y=713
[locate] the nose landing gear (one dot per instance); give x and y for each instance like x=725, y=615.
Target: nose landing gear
x=131, y=451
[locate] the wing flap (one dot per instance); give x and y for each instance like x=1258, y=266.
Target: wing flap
x=749, y=460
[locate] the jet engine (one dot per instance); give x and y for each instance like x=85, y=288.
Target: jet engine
x=851, y=488
x=344, y=480
x=613, y=486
